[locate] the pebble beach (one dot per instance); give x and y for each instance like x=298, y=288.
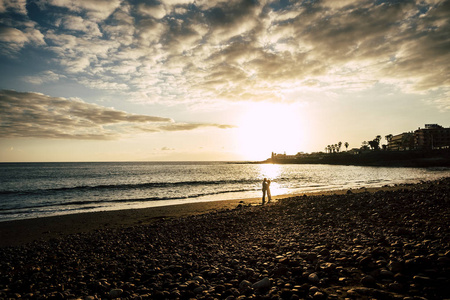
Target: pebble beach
x=388, y=243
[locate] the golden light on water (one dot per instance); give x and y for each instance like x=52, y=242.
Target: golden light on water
x=271, y=172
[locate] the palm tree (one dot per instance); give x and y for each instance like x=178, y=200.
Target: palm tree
x=339, y=146
x=346, y=146
x=365, y=145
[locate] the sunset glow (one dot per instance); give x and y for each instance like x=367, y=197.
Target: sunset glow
x=267, y=128
x=216, y=80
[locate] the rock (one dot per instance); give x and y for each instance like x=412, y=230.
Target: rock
x=311, y=256
x=395, y=266
x=443, y=261
x=422, y=280
x=367, y=263
x=219, y=288
x=200, y=279
x=262, y=284
x=245, y=284
x=386, y=274
x=286, y=293
x=319, y=296
x=364, y=291
x=234, y=291
x=280, y=270
x=313, y=278
x=325, y=252
x=328, y=267
x=115, y=293
x=395, y=287
x=332, y=247
x=368, y=281
x=295, y=297
x=402, y=231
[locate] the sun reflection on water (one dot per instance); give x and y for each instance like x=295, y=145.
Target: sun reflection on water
x=272, y=172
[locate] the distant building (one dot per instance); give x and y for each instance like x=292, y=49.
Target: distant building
x=354, y=151
x=433, y=136
x=285, y=156
x=401, y=142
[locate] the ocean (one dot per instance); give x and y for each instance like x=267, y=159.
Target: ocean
x=31, y=190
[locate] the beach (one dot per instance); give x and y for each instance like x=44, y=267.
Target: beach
x=380, y=243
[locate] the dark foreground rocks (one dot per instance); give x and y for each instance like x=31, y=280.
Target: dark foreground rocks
x=383, y=245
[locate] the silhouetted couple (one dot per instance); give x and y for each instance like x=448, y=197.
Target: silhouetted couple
x=266, y=190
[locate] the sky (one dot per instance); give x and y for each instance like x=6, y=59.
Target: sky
x=171, y=80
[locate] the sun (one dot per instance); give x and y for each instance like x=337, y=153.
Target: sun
x=270, y=127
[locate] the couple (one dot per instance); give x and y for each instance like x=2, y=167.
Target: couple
x=266, y=190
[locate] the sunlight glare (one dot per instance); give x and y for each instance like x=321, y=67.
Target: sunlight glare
x=269, y=127
x=272, y=172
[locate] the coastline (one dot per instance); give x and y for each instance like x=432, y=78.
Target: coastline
x=404, y=159
x=385, y=243
x=19, y=232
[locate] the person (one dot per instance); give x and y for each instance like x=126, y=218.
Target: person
x=269, y=196
x=264, y=190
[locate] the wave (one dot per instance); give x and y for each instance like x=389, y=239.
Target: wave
x=102, y=203
x=128, y=186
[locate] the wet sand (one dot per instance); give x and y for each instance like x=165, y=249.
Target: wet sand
x=388, y=243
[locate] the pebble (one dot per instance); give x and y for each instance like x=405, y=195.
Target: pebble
x=115, y=293
x=368, y=281
x=313, y=278
x=384, y=245
x=262, y=284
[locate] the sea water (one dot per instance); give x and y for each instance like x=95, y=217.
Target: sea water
x=29, y=190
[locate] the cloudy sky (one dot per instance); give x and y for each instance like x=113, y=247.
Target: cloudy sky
x=106, y=80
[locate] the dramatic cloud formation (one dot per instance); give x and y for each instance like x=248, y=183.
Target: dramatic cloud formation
x=41, y=116
x=304, y=73
x=174, y=50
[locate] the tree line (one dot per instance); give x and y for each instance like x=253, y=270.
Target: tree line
x=366, y=145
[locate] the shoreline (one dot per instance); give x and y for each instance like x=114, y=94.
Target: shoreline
x=388, y=243
x=23, y=231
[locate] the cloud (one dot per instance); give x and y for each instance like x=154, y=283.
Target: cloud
x=98, y=9
x=77, y=23
x=16, y=6
x=156, y=11
x=41, y=116
x=191, y=126
x=43, y=77
x=12, y=40
x=192, y=51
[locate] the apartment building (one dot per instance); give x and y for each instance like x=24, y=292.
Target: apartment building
x=433, y=136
